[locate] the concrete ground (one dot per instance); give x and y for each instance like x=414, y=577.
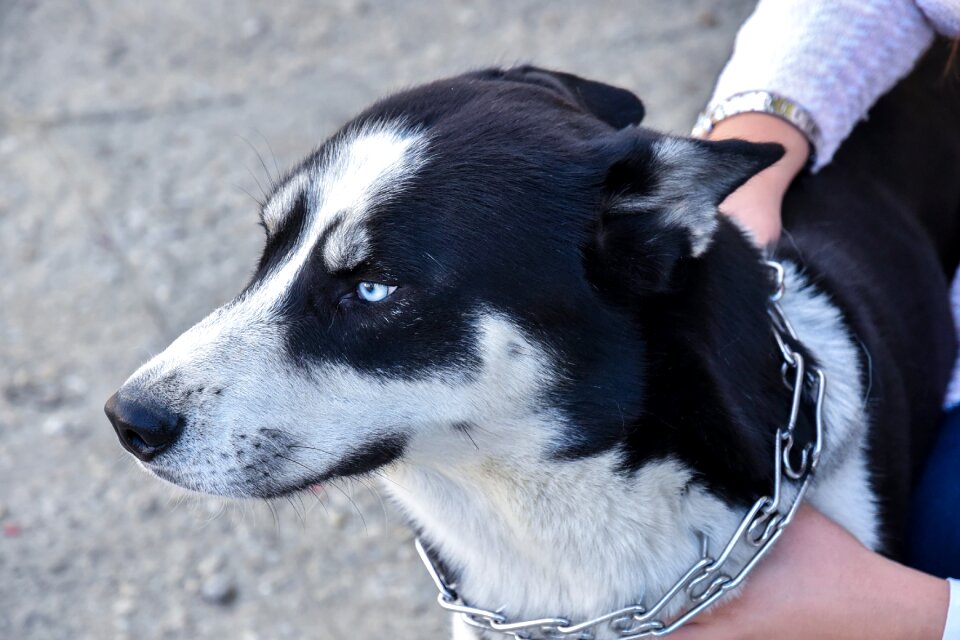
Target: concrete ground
x=129, y=133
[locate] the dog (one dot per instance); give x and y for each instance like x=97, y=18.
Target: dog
x=501, y=293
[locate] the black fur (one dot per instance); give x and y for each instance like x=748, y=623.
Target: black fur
x=879, y=229
x=368, y=457
x=510, y=242
x=665, y=353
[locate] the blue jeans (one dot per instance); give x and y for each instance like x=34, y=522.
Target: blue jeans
x=934, y=528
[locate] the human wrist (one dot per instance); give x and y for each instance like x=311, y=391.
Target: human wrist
x=763, y=127
x=857, y=593
x=899, y=603
x=920, y=601
x=756, y=205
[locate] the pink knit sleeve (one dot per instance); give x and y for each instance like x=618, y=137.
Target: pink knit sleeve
x=943, y=14
x=834, y=58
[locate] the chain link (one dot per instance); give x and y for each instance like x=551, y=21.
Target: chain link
x=709, y=578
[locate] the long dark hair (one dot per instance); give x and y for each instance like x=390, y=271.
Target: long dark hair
x=952, y=68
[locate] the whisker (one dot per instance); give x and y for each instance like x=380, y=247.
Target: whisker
x=363, y=520
x=273, y=155
x=260, y=203
x=259, y=185
x=375, y=472
x=383, y=507
x=466, y=432
x=303, y=446
x=263, y=164
x=293, y=505
x=294, y=461
x=276, y=520
x=314, y=490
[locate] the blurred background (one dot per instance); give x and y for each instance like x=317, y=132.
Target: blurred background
x=129, y=140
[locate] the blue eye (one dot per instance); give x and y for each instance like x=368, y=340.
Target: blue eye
x=374, y=291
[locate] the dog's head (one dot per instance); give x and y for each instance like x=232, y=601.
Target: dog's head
x=458, y=262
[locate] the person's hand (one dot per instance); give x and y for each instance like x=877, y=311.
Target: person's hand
x=819, y=582
x=756, y=205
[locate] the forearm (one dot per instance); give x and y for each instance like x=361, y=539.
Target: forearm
x=834, y=58
x=900, y=603
x=820, y=583
x=840, y=590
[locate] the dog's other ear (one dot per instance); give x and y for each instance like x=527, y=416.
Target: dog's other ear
x=661, y=204
x=617, y=107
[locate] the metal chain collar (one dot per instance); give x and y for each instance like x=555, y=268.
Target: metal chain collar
x=709, y=579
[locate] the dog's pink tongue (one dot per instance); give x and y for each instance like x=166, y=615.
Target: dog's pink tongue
x=316, y=488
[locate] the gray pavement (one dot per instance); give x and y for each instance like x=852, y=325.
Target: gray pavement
x=128, y=133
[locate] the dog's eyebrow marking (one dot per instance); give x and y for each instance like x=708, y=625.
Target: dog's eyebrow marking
x=277, y=209
x=342, y=245
x=365, y=167
x=346, y=246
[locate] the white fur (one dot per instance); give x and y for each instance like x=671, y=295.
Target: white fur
x=534, y=535
x=523, y=532
x=239, y=348
x=245, y=358
x=364, y=169
x=842, y=490
x=573, y=538
x=680, y=196
x=276, y=209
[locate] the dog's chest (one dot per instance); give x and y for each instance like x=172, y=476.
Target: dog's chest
x=577, y=540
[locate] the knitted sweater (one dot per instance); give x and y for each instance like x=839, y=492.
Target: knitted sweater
x=834, y=58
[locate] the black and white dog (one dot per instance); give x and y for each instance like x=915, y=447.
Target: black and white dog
x=499, y=292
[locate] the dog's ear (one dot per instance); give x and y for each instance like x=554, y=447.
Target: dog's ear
x=660, y=208
x=617, y=107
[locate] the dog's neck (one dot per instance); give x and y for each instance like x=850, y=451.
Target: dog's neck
x=536, y=536
x=539, y=536
x=523, y=534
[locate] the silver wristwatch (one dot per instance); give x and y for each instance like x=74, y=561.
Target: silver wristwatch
x=759, y=102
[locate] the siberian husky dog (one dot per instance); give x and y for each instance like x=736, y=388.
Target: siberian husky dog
x=501, y=293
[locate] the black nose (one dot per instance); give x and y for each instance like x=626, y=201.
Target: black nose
x=144, y=429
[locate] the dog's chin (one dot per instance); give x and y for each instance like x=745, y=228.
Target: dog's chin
x=240, y=488
x=199, y=484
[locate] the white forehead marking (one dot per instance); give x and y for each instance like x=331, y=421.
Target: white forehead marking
x=367, y=166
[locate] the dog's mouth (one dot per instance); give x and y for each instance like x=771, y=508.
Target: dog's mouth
x=256, y=487
x=269, y=475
